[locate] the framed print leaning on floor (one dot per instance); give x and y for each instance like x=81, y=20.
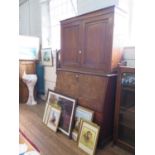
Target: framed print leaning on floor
x=81, y=113
x=53, y=118
x=88, y=137
x=67, y=105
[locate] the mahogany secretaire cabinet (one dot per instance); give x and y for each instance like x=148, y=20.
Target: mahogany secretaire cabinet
x=90, y=51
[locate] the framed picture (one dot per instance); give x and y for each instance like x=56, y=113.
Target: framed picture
x=46, y=113
x=81, y=113
x=28, y=47
x=88, y=137
x=53, y=118
x=47, y=57
x=67, y=106
x=49, y=103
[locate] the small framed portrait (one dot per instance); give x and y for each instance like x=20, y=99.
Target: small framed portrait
x=84, y=114
x=53, y=118
x=88, y=137
x=67, y=106
x=47, y=56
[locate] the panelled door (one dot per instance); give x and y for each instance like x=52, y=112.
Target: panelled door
x=70, y=44
x=97, y=39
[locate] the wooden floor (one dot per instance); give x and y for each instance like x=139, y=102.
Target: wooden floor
x=49, y=142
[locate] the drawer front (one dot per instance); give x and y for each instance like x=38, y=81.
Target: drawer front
x=67, y=83
x=92, y=91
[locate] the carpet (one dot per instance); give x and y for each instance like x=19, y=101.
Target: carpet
x=25, y=139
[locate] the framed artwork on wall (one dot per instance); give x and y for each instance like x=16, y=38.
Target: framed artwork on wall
x=28, y=47
x=88, y=137
x=47, y=57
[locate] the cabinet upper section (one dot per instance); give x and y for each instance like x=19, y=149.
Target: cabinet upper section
x=90, y=41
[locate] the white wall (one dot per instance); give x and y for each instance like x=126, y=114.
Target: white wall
x=129, y=56
x=85, y=6
x=35, y=18
x=29, y=18
x=45, y=24
x=24, y=21
x=50, y=77
x=49, y=71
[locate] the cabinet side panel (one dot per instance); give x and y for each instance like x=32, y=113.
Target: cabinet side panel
x=119, y=37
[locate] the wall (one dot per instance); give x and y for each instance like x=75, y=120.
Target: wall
x=35, y=20
x=29, y=18
x=129, y=56
x=49, y=71
x=24, y=21
x=85, y=6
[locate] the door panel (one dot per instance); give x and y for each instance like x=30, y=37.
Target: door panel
x=70, y=44
x=97, y=44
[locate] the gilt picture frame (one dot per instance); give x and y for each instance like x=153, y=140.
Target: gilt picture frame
x=54, y=118
x=88, y=137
